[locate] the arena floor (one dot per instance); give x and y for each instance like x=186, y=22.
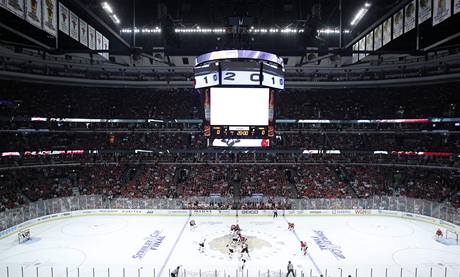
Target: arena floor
x=153, y=245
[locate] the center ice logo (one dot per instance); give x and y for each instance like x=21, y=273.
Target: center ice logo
x=325, y=244
x=152, y=242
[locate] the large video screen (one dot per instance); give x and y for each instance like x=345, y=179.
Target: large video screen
x=239, y=106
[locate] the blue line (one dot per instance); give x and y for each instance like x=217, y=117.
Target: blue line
x=308, y=254
x=174, y=247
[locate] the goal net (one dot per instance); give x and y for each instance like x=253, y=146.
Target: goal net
x=23, y=235
x=451, y=236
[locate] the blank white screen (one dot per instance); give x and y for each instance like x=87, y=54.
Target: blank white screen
x=239, y=106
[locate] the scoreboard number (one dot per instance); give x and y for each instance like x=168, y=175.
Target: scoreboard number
x=242, y=78
x=207, y=80
x=248, y=78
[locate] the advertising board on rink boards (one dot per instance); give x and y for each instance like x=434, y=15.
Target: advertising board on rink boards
x=139, y=212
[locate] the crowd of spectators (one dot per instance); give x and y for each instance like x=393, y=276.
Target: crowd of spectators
x=18, y=99
x=281, y=182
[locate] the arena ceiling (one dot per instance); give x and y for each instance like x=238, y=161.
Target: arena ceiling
x=308, y=16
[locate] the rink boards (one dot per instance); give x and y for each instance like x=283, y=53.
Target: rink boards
x=236, y=213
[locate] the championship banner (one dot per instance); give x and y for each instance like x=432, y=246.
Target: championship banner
x=370, y=42
x=355, y=55
x=64, y=20
x=34, y=12
x=424, y=10
x=398, y=24
x=409, y=17
x=441, y=11
x=456, y=6
x=50, y=17
x=16, y=7
x=387, y=31
x=98, y=41
x=362, y=47
x=83, y=32
x=74, y=26
x=378, y=37
x=91, y=38
x=105, y=46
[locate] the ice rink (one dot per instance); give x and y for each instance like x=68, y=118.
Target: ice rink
x=154, y=245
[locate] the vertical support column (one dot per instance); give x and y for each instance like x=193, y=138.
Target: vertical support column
x=52, y=272
x=67, y=272
x=36, y=271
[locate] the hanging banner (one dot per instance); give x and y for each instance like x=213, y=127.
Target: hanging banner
x=64, y=25
x=362, y=47
x=74, y=26
x=456, y=6
x=91, y=38
x=3, y=4
x=378, y=37
x=387, y=31
x=424, y=10
x=16, y=7
x=441, y=10
x=98, y=41
x=409, y=17
x=355, y=55
x=50, y=17
x=34, y=12
x=370, y=42
x=83, y=32
x=105, y=46
x=398, y=24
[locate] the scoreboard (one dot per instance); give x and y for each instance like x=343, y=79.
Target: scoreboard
x=239, y=89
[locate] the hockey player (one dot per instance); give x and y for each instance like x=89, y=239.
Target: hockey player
x=235, y=238
x=243, y=265
x=275, y=213
x=439, y=234
x=303, y=247
x=231, y=250
x=245, y=249
x=192, y=224
x=242, y=238
x=291, y=226
x=201, y=246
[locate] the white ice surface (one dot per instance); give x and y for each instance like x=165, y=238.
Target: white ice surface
x=108, y=243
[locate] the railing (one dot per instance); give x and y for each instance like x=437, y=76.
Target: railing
x=120, y=271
